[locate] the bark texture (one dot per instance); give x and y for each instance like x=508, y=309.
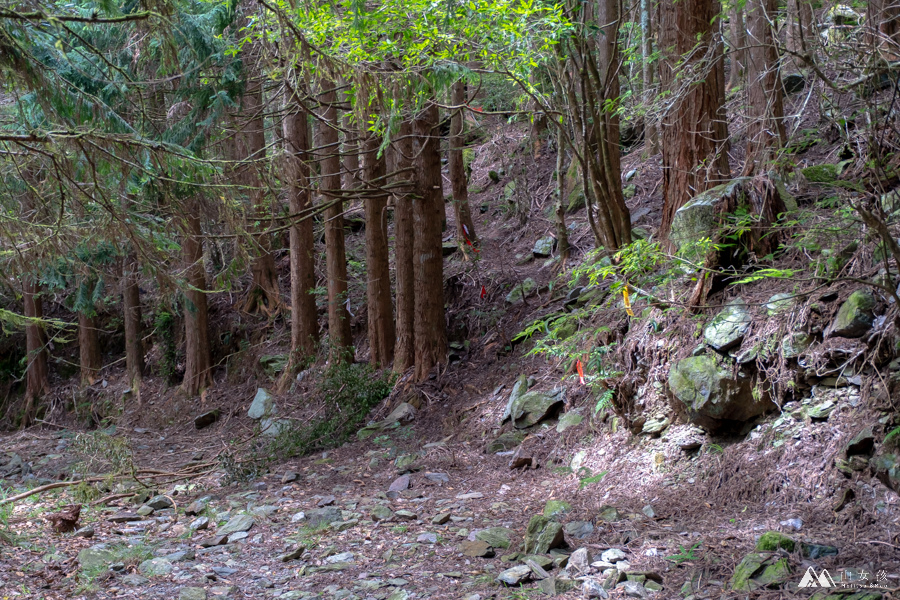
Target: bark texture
x=430, y=326
x=264, y=293
x=304, y=315
x=694, y=131
x=37, y=381
x=402, y=153
x=88, y=349
x=459, y=181
x=800, y=32
x=738, y=54
x=134, y=347
x=765, y=130
x=378, y=275
x=197, y=362
x=335, y=249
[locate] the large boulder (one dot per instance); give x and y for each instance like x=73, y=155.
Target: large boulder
x=522, y=291
x=542, y=535
x=712, y=395
x=855, y=317
x=729, y=327
x=263, y=405
x=699, y=218
x=519, y=389
x=532, y=407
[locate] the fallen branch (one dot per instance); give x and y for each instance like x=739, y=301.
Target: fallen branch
x=47, y=488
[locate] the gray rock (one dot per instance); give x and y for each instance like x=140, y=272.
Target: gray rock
x=729, y=327
x=181, y=556
x=519, y=389
x=780, y=303
x=134, y=580
x=225, y=592
x=145, y=511
x=711, y=395
x=613, y=555
x=123, y=517
x=406, y=515
x=85, y=532
x=263, y=405
x=580, y=561
x=196, y=507
x=379, y=512
x=544, y=247
x=160, y=502
x=655, y=425
x=496, y=537
x=215, y=540
x=855, y=317
x=343, y=557
x=591, y=588
x=399, y=484
x=323, y=501
x=476, y=549
x=275, y=427
x=579, y=530
x=437, y=478
x=199, y=524
x=699, y=219
x=633, y=589
x=292, y=554
x=155, y=567
x=862, y=443
x=427, y=538
x=795, y=344
x=522, y=291
x=96, y=557
x=237, y=523
x=237, y=536
x=323, y=516
x=289, y=477
x=206, y=419
x=192, y=593
x=542, y=535
x=515, y=575
x=532, y=407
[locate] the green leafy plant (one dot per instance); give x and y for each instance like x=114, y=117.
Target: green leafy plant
x=586, y=477
x=685, y=554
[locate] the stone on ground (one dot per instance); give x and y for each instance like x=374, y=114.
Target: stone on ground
x=237, y=523
x=515, y=575
x=542, y=535
x=729, y=327
x=532, y=407
x=263, y=405
x=855, y=317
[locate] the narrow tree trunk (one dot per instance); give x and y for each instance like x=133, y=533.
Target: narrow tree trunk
x=378, y=274
x=335, y=253
x=198, y=366
x=694, y=131
x=264, y=293
x=651, y=135
x=351, y=175
x=37, y=381
x=134, y=347
x=304, y=316
x=88, y=349
x=799, y=31
x=884, y=24
x=562, y=232
x=430, y=326
x=402, y=152
x=738, y=45
x=465, y=229
x=765, y=131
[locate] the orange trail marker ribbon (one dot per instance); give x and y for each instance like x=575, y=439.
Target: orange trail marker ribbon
x=580, y=369
x=627, y=302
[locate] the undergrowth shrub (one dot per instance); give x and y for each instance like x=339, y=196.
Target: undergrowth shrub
x=347, y=392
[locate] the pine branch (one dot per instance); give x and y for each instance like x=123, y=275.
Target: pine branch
x=42, y=16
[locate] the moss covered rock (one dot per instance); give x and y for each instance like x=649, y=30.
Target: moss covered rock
x=522, y=291
x=760, y=570
x=699, y=218
x=729, y=327
x=532, y=407
x=556, y=508
x=855, y=317
x=542, y=535
x=771, y=541
x=712, y=396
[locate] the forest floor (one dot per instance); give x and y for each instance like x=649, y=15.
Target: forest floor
x=680, y=512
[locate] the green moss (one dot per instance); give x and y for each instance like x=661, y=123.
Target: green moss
x=892, y=440
x=771, y=541
x=821, y=173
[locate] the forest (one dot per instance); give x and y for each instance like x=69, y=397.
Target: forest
x=405, y=299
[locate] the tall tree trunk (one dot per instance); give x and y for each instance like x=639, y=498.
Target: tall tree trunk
x=430, y=325
x=884, y=23
x=134, y=347
x=694, y=131
x=198, y=365
x=402, y=153
x=738, y=44
x=37, y=381
x=88, y=349
x=765, y=131
x=651, y=132
x=264, y=293
x=304, y=316
x=335, y=253
x=562, y=232
x=799, y=31
x=459, y=181
x=350, y=148
x=378, y=274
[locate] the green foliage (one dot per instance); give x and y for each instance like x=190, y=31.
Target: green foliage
x=102, y=452
x=349, y=391
x=685, y=554
x=164, y=330
x=586, y=478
